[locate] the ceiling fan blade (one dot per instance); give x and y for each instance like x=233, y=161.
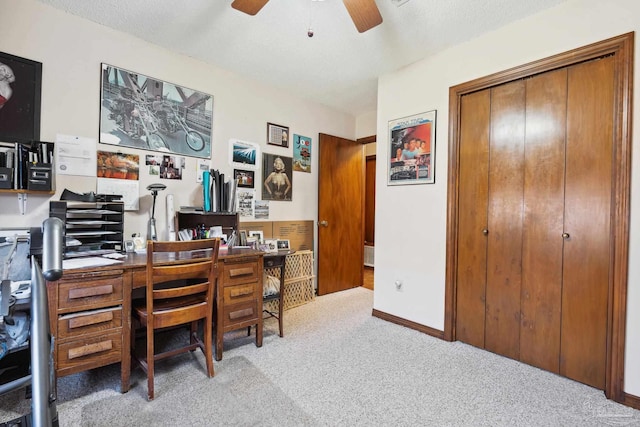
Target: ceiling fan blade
x=364, y=14
x=250, y=7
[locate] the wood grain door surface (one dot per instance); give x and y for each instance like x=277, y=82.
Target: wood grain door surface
x=535, y=174
x=587, y=250
x=370, y=201
x=340, y=214
x=542, y=242
x=472, y=221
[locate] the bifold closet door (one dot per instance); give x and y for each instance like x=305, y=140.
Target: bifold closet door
x=542, y=241
x=504, y=219
x=587, y=248
x=472, y=221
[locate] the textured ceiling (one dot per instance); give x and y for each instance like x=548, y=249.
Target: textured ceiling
x=337, y=67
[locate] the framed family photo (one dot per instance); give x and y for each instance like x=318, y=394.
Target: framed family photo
x=143, y=112
x=412, y=149
x=20, y=98
x=277, y=135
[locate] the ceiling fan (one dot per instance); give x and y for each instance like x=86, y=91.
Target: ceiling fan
x=364, y=13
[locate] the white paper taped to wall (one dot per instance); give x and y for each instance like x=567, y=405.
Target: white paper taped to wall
x=128, y=189
x=75, y=155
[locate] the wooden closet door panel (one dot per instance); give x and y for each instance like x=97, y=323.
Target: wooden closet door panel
x=472, y=220
x=504, y=251
x=543, y=219
x=587, y=252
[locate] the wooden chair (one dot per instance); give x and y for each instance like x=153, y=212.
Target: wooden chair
x=180, y=291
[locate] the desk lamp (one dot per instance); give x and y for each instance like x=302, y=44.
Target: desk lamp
x=151, y=225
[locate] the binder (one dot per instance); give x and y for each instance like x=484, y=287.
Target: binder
x=206, y=192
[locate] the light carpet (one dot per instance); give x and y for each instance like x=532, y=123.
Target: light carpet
x=339, y=366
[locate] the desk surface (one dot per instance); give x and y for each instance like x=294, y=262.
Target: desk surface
x=135, y=260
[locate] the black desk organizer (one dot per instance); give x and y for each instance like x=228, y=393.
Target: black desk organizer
x=97, y=227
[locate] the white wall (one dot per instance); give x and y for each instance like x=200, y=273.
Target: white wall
x=72, y=49
x=366, y=124
x=411, y=220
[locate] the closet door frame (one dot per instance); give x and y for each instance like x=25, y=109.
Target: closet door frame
x=621, y=47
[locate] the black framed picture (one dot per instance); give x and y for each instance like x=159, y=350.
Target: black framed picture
x=277, y=135
x=245, y=178
x=20, y=97
x=276, y=177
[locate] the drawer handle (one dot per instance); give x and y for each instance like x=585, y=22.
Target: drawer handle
x=86, y=350
x=240, y=313
x=241, y=292
x=93, y=319
x=90, y=292
x=240, y=272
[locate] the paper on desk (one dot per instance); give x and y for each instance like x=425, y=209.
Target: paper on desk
x=91, y=261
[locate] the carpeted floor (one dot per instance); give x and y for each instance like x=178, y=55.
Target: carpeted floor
x=336, y=365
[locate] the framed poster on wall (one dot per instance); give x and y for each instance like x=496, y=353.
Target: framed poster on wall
x=143, y=112
x=20, y=96
x=412, y=143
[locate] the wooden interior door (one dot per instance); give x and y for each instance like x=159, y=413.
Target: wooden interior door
x=340, y=214
x=543, y=219
x=504, y=251
x=370, y=201
x=588, y=211
x=472, y=222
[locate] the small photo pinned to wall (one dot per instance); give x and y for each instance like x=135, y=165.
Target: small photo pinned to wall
x=171, y=167
x=244, y=154
x=301, y=153
x=261, y=209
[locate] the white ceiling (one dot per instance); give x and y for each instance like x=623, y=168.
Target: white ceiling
x=337, y=67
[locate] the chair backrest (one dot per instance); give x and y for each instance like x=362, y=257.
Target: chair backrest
x=193, y=263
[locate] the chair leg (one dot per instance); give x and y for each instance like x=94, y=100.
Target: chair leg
x=208, y=346
x=193, y=333
x=280, y=317
x=248, y=331
x=150, y=362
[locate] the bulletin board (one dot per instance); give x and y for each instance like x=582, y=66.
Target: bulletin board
x=299, y=233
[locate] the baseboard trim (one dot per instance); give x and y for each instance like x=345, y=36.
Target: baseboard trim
x=631, y=400
x=407, y=323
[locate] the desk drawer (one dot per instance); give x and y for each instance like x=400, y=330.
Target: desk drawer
x=239, y=313
x=239, y=293
x=240, y=273
x=90, y=294
x=86, y=322
x=90, y=352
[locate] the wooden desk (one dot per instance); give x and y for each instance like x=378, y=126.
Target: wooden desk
x=90, y=309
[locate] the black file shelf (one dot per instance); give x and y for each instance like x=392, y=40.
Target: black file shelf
x=91, y=228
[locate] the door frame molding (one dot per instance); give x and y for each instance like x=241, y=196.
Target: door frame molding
x=621, y=47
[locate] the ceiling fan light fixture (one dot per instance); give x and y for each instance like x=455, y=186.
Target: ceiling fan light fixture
x=364, y=14
x=250, y=7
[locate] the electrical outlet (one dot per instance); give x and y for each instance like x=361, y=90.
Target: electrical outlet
x=398, y=285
